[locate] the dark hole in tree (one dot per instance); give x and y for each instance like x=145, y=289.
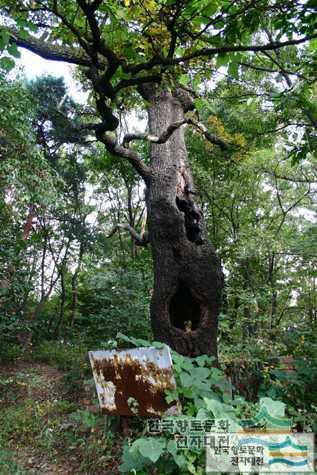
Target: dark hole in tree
x=192, y=219
x=184, y=309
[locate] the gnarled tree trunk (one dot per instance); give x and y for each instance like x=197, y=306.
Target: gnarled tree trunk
x=187, y=273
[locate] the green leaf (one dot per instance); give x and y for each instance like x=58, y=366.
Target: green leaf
x=191, y=468
x=32, y=27
x=222, y=411
x=133, y=341
x=186, y=379
x=7, y=63
x=275, y=408
x=200, y=373
x=171, y=396
x=12, y=49
x=204, y=360
x=151, y=447
x=201, y=103
x=4, y=38
x=180, y=461
x=184, y=79
x=132, y=459
x=233, y=69
x=222, y=60
x=23, y=34
x=210, y=10
x=187, y=364
x=171, y=447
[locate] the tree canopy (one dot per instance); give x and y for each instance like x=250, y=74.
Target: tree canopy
x=124, y=45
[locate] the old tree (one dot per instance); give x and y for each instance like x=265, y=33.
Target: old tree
x=156, y=54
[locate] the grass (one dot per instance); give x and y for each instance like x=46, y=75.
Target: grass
x=8, y=466
x=64, y=356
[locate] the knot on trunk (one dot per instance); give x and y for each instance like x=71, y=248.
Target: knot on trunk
x=185, y=99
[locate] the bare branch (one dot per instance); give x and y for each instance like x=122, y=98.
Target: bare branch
x=214, y=139
x=133, y=157
x=292, y=206
x=140, y=239
x=288, y=178
x=154, y=138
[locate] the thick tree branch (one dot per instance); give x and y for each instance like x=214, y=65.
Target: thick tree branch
x=119, y=150
x=140, y=239
x=153, y=138
x=138, y=81
x=212, y=138
x=98, y=43
x=163, y=61
x=50, y=51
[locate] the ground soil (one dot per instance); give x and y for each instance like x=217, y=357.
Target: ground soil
x=46, y=384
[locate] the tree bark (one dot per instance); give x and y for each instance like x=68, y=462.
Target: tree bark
x=57, y=330
x=187, y=273
x=74, y=285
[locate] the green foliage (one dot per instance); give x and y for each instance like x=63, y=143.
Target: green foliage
x=10, y=352
x=113, y=301
x=205, y=393
x=63, y=355
x=297, y=385
x=56, y=114
x=202, y=390
x=19, y=424
x=260, y=94
x=8, y=466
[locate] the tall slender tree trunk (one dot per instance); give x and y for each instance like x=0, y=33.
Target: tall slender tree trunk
x=57, y=330
x=272, y=283
x=187, y=273
x=74, y=284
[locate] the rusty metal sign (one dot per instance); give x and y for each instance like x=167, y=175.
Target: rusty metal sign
x=133, y=382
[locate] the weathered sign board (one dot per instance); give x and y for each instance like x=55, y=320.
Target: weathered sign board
x=133, y=382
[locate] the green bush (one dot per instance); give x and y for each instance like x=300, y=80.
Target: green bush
x=64, y=355
x=10, y=352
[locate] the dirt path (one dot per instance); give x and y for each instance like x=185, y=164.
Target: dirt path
x=38, y=382
x=42, y=435
x=41, y=381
